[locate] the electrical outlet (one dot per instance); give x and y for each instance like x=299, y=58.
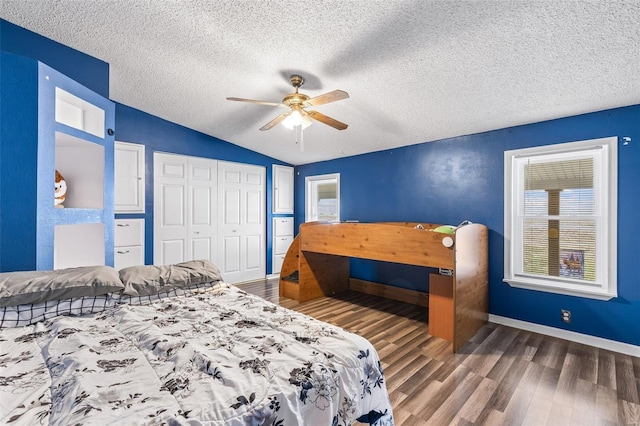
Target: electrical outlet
x=565, y=315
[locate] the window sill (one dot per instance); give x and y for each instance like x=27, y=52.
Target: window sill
x=541, y=285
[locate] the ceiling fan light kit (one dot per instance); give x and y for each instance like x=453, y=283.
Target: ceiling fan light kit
x=296, y=118
x=298, y=103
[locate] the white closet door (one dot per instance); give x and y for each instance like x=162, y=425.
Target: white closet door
x=170, y=209
x=202, y=212
x=241, y=201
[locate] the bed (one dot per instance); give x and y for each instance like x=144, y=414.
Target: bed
x=317, y=264
x=174, y=345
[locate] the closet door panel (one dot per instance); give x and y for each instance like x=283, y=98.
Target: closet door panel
x=170, y=209
x=242, y=207
x=173, y=206
x=201, y=200
x=202, y=227
x=232, y=207
x=232, y=255
x=171, y=251
x=254, y=215
x=201, y=248
x=254, y=253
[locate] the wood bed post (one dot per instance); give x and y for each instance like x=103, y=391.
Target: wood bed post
x=471, y=282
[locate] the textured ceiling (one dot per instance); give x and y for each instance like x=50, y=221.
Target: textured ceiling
x=416, y=71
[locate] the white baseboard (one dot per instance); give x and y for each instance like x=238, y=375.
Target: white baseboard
x=598, y=342
x=273, y=276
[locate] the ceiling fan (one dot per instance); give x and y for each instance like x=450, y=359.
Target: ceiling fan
x=299, y=116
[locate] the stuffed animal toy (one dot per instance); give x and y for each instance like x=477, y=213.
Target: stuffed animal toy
x=61, y=190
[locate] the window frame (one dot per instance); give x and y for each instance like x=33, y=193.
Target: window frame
x=604, y=152
x=309, y=181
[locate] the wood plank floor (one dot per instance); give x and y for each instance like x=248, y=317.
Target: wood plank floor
x=502, y=376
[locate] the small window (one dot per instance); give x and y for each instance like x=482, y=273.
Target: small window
x=323, y=198
x=560, y=218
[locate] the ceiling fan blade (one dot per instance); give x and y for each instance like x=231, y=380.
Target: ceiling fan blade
x=327, y=120
x=277, y=104
x=275, y=121
x=336, y=95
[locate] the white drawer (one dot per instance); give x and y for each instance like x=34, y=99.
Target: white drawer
x=125, y=256
x=129, y=232
x=281, y=244
x=278, y=260
x=283, y=226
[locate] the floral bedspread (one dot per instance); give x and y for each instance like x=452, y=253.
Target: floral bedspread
x=222, y=357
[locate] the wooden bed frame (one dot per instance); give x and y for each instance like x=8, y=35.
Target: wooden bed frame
x=458, y=304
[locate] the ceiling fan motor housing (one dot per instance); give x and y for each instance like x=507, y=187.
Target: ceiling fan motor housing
x=296, y=80
x=295, y=99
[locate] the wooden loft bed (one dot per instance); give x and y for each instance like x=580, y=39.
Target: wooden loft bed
x=317, y=264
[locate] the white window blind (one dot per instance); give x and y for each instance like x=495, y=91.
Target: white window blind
x=560, y=206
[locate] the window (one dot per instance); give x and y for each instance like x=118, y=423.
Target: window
x=560, y=218
x=323, y=198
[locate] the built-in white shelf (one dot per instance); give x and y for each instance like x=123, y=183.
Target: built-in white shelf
x=67, y=127
x=79, y=114
x=81, y=163
x=78, y=245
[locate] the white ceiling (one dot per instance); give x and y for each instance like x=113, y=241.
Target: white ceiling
x=416, y=71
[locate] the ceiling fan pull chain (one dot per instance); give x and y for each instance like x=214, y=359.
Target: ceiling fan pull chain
x=299, y=137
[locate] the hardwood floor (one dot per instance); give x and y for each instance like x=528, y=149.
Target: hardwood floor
x=502, y=376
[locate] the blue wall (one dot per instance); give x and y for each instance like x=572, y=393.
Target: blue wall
x=131, y=125
x=156, y=134
x=461, y=178
x=86, y=70
x=18, y=165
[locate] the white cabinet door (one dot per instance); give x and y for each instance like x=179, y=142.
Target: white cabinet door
x=282, y=239
x=282, y=189
x=129, y=174
x=129, y=232
x=129, y=243
x=241, y=201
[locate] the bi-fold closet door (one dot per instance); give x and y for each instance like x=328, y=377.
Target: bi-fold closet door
x=185, y=191
x=210, y=209
x=241, y=221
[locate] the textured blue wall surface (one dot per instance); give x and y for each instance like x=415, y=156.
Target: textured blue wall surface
x=86, y=70
x=159, y=135
x=462, y=178
x=18, y=154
